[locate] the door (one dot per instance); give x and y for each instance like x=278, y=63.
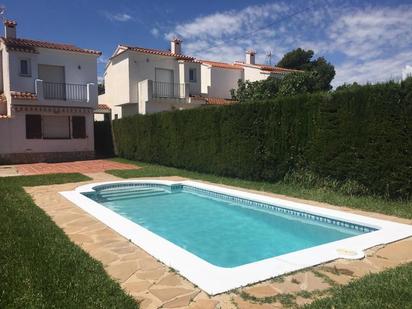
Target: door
x=54, y=81
x=164, y=87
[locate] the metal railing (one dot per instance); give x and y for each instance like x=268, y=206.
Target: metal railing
x=168, y=90
x=63, y=91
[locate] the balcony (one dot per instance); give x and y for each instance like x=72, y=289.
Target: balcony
x=169, y=90
x=76, y=93
x=69, y=92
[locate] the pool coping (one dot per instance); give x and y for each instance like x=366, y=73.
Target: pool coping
x=213, y=279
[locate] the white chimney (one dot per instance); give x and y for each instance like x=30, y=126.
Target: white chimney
x=176, y=46
x=10, y=29
x=250, y=57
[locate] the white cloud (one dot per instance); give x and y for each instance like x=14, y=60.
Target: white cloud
x=120, y=17
x=373, y=42
x=155, y=32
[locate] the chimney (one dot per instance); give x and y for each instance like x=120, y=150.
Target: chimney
x=10, y=29
x=250, y=56
x=176, y=46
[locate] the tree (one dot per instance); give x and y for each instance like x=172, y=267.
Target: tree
x=298, y=83
x=301, y=59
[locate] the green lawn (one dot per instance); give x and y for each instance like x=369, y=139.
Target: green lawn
x=389, y=289
x=368, y=203
x=39, y=266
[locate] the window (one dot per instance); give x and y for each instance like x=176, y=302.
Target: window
x=25, y=67
x=56, y=127
x=33, y=127
x=79, y=126
x=192, y=75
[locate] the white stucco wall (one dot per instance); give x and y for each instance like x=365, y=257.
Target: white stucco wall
x=406, y=72
x=205, y=79
x=80, y=68
x=222, y=81
x=254, y=74
x=13, y=137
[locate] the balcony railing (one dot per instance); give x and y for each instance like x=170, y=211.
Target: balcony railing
x=63, y=91
x=168, y=90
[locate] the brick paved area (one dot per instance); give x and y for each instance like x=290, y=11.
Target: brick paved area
x=89, y=166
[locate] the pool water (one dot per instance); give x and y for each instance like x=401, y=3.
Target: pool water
x=222, y=232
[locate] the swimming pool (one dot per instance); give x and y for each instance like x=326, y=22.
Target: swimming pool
x=222, y=238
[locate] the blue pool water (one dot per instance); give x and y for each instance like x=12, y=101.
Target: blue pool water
x=223, y=232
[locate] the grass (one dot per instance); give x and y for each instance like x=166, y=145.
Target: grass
x=39, y=266
x=320, y=194
x=389, y=289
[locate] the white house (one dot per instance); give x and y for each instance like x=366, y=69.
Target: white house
x=143, y=80
x=48, y=94
x=407, y=72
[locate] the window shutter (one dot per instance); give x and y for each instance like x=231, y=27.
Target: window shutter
x=79, y=126
x=33, y=127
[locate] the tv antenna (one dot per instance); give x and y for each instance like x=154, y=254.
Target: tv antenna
x=269, y=56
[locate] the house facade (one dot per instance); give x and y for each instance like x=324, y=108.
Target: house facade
x=48, y=95
x=144, y=81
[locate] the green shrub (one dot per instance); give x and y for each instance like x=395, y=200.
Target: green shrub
x=357, y=139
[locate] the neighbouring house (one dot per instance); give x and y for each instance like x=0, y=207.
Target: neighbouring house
x=142, y=80
x=48, y=95
x=407, y=72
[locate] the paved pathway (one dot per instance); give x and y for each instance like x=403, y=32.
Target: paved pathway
x=157, y=286
x=89, y=166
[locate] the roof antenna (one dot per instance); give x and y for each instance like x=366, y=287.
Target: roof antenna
x=2, y=11
x=269, y=57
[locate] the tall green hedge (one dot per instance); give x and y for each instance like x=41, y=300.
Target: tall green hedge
x=361, y=134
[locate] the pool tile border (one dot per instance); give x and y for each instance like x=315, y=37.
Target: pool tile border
x=215, y=280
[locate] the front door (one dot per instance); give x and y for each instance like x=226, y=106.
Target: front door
x=164, y=83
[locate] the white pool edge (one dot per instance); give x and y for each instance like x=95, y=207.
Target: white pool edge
x=213, y=279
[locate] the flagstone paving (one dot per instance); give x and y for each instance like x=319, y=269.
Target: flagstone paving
x=155, y=285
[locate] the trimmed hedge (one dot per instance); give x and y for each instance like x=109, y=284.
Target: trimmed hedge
x=361, y=134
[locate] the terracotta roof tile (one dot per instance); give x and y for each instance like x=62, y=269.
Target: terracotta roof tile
x=26, y=45
x=23, y=95
x=220, y=101
x=265, y=67
x=103, y=107
x=157, y=52
x=222, y=65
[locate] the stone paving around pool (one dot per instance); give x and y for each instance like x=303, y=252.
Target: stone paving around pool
x=155, y=285
x=88, y=166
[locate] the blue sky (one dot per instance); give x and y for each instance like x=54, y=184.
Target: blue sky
x=367, y=41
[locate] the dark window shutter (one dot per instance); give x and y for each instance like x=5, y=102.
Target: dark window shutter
x=33, y=126
x=79, y=126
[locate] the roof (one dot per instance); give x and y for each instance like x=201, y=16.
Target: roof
x=219, y=101
x=222, y=65
x=26, y=45
x=23, y=95
x=155, y=52
x=268, y=68
x=102, y=108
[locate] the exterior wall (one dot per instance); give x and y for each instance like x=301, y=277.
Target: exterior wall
x=194, y=87
x=143, y=66
x=13, y=137
x=117, y=83
x=254, y=74
x=79, y=68
x=406, y=72
x=222, y=81
x=205, y=79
